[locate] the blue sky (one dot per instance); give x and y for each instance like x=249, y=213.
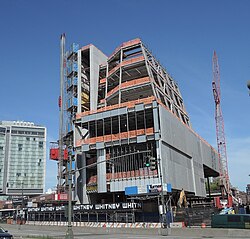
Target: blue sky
x=181, y=34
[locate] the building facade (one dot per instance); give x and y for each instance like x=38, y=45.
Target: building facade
x=124, y=110
x=22, y=158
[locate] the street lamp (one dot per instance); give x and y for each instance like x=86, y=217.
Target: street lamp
x=248, y=86
x=22, y=203
x=69, y=233
x=22, y=207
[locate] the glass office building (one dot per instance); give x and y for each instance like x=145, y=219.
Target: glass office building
x=22, y=158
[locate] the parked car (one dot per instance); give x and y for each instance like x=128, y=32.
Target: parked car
x=4, y=234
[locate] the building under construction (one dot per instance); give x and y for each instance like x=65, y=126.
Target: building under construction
x=128, y=127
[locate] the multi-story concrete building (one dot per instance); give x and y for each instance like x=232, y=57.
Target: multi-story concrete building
x=124, y=110
x=22, y=158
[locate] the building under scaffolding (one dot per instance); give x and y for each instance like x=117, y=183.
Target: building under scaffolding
x=129, y=126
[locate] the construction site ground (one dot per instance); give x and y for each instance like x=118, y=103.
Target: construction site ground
x=30, y=231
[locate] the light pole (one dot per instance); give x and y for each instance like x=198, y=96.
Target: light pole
x=248, y=86
x=163, y=206
x=22, y=212
x=69, y=233
x=22, y=205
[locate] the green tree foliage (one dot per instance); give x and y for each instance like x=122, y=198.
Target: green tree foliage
x=214, y=186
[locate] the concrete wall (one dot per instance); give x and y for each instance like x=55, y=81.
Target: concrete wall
x=96, y=58
x=177, y=168
x=184, y=154
x=101, y=171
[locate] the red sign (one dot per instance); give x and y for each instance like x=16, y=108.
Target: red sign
x=61, y=196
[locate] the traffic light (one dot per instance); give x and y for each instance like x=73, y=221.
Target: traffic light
x=147, y=161
x=152, y=162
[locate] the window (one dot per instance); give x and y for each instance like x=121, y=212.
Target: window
x=123, y=123
x=131, y=121
x=92, y=129
x=20, y=147
x=115, y=125
x=2, y=130
x=40, y=144
x=149, y=118
x=140, y=120
x=99, y=127
x=1, y=148
x=27, y=138
x=107, y=126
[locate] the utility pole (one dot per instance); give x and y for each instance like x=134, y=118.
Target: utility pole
x=163, y=209
x=22, y=204
x=69, y=233
x=61, y=108
x=65, y=141
x=22, y=207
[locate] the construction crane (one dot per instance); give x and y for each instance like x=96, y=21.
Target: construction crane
x=59, y=150
x=221, y=141
x=60, y=187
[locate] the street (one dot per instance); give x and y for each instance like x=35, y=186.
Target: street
x=25, y=231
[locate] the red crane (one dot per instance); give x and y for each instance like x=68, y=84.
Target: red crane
x=221, y=141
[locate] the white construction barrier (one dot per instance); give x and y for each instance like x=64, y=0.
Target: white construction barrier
x=105, y=224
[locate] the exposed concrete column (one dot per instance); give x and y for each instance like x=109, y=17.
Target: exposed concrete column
x=156, y=118
x=160, y=161
x=79, y=83
x=101, y=171
x=106, y=84
x=120, y=77
x=81, y=194
x=193, y=175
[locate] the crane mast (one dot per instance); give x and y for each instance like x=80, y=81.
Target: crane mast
x=61, y=116
x=220, y=134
